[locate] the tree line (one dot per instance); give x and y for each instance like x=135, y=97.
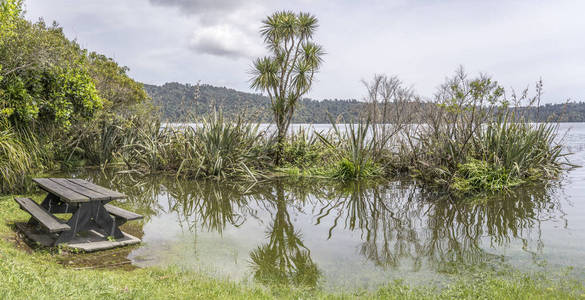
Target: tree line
x=180, y=102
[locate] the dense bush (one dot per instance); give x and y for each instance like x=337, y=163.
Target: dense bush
x=473, y=141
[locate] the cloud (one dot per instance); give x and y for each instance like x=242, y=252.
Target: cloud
x=200, y=6
x=223, y=40
x=224, y=28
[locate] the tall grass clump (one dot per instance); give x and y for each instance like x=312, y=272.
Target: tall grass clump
x=213, y=148
x=218, y=148
x=304, y=154
x=15, y=161
x=354, y=150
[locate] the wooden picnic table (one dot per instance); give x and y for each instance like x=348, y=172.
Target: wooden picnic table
x=87, y=202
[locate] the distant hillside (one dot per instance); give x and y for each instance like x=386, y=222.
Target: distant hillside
x=177, y=105
x=566, y=112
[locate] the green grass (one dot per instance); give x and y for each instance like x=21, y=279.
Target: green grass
x=37, y=275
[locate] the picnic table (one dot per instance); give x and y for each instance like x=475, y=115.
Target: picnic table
x=86, y=201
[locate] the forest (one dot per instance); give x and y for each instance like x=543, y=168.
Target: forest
x=179, y=102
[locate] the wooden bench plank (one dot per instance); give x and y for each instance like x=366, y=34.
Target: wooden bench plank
x=94, y=187
x=122, y=213
x=91, y=194
x=43, y=216
x=60, y=191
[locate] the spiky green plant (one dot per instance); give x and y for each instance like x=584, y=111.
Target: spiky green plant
x=354, y=150
x=15, y=161
x=224, y=149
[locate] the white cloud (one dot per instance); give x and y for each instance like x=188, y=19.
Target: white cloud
x=224, y=40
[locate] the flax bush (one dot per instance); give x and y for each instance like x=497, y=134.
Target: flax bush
x=15, y=161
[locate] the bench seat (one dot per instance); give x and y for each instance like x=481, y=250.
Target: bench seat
x=42, y=215
x=121, y=214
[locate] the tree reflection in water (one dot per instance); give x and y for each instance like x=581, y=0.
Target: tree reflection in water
x=284, y=259
x=400, y=225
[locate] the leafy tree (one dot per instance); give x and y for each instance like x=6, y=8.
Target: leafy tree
x=45, y=77
x=10, y=10
x=287, y=73
x=113, y=83
x=49, y=80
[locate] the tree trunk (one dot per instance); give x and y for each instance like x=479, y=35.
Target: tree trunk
x=279, y=148
x=282, y=124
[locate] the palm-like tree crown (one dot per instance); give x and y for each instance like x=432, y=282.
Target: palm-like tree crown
x=287, y=73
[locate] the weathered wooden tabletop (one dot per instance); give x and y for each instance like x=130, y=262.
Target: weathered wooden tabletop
x=77, y=190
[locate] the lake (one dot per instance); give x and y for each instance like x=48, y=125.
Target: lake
x=357, y=235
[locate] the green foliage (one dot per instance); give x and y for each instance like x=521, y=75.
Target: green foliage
x=214, y=149
x=63, y=104
x=304, y=150
x=46, y=78
x=113, y=83
x=527, y=150
x=10, y=11
x=473, y=141
x=15, y=161
x=480, y=176
x=287, y=74
x=101, y=139
x=348, y=170
x=354, y=151
x=43, y=78
x=224, y=149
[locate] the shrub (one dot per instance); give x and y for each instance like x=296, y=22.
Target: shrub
x=15, y=161
x=479, y=176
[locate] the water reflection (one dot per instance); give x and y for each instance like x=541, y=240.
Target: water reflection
x=283, y=258
x=392, y=225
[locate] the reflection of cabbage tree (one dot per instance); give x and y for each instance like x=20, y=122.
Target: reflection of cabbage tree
x=284, y=259
x=400, y=223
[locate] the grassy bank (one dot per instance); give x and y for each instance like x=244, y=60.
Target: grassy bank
x=37, y=275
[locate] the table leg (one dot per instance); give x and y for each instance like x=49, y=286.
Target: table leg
x=104, y=220
x=53, y=205
x=90, y=215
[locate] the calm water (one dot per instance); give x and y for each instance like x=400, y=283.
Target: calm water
x=354, y=235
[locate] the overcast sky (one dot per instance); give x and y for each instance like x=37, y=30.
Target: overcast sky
x=421, y=41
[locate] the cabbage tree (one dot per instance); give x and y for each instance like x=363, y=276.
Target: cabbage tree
x=287, y=73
